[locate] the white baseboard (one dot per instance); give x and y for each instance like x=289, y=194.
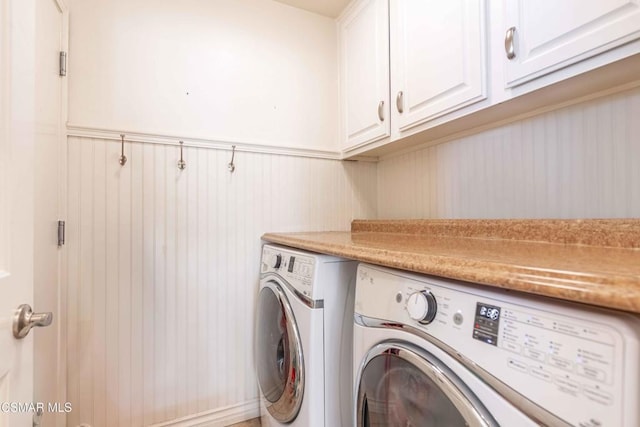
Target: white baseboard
x=218, y=417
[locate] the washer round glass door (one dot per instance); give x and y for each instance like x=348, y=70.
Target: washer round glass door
x=403, y=386
x=279, y=354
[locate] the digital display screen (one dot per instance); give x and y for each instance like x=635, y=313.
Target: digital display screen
x=486, y=323
x=488, y=312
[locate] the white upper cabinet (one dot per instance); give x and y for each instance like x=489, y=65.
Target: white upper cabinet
x=437, y=51
x=438, y=59
x=364, y=50
x=437, y=68
x=547, y=35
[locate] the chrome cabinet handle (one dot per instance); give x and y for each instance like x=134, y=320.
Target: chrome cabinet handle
x=509, y=45
x=25, y=319
x=381, y=111
x=400, y=102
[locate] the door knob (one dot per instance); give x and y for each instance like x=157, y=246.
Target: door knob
x=25, y=319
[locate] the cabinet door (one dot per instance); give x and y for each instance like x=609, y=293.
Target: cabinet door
x=364, y=39
x=438, y=58
x=551, y=34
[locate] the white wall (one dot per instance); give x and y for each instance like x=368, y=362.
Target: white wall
x=246, y=71
x=163, y=270
x=577, y=162
x=163, y=264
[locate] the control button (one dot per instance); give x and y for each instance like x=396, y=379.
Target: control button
x=567, y=385
x=518, y=365
x=561, y=363
x=422, y=307
x=511, y=347
x=532, y=353
x=541, y=374
x=292, y=260
x=458, y=318
x=399, y=297
x=592, y=373
x=484, y=337
x=597, y=395
x=567, y=328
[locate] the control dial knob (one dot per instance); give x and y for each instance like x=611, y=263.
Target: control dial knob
x=275, y=261
x=422, y=306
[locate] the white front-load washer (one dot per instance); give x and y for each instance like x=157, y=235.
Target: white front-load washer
x=435, y=352
x=304, y=336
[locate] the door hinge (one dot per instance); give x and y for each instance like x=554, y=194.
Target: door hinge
x=63, y=64
x=61, y=232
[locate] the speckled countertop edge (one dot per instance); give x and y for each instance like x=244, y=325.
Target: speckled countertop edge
x=620, y=233
x=603, y=272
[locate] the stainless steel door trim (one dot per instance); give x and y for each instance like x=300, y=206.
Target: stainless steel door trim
x=311, y=303
x=288, y=405
x=470, y=407
x=522, y=403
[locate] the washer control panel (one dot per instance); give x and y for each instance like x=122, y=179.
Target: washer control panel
x=486, y=323
x=582, y=364
x=294, y=267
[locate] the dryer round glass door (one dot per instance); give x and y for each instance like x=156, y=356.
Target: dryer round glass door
x=402, y=385
x=279, y=354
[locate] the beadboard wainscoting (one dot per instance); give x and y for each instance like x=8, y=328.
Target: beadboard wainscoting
x=577, y=162
x=163, y=271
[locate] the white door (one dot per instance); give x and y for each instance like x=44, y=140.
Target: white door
x=49, y=375
x=438, y=59
x=551, y=34
x=24, y=112
x=364, y=51
x=16, y=209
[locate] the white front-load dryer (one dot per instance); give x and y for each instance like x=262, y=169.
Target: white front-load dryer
x=435, y=352
x=304, y=338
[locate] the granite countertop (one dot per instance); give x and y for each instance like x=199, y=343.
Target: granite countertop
x=594, y=262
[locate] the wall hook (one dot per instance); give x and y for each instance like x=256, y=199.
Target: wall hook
x=123, y=159
x=181, y=163
x=231, y=166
